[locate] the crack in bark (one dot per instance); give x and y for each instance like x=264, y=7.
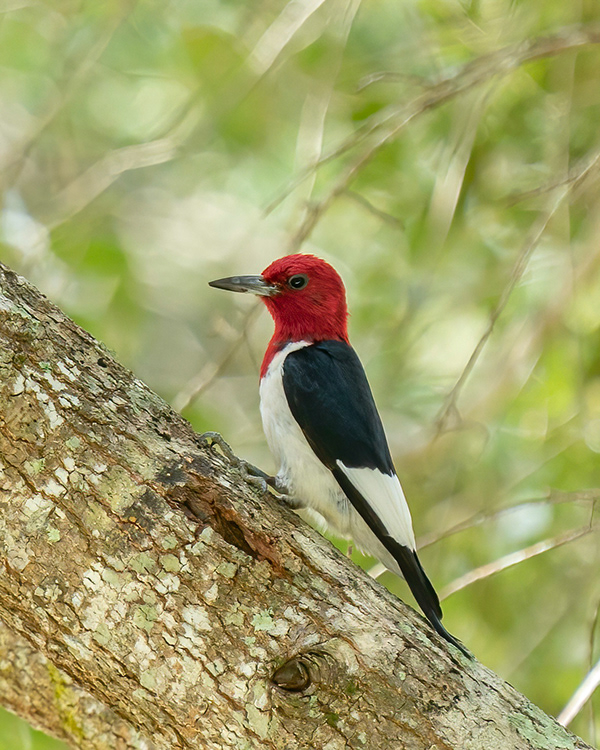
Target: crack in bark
x=193, y=485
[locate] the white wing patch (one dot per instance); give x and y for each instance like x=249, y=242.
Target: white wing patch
x=384, y=494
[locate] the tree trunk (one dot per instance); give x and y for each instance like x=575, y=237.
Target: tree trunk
x=151, y=598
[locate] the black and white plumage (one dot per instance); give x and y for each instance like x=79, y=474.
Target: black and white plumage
x=323, y=427
x=322, y=424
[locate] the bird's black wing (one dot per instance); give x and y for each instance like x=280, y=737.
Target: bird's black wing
x=329, y=396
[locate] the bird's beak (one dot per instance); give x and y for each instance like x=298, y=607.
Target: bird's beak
x=254, y=284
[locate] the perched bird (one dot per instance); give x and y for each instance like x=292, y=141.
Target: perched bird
x=322, y=424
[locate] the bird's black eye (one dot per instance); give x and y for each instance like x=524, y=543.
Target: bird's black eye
x=298, y=281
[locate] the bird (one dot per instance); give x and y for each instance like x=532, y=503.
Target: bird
x=322, y=425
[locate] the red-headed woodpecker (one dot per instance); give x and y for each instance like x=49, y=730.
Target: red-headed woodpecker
x=322, y=424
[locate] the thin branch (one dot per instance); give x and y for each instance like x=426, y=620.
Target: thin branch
x=581, y=696
x=387, y=76
x=549, y=187
x=280, y=33
x=314, y=112
x=592, y=648
x=383, y=215
x=212, y=370
x=97, y=178
x=9, y=6
x=498, y=63
x=514, y=198
x=539, y=630
x=449, y=408
x=85, y=188
x=393, y=119
x=554, y=497
x=514, y=558
x=510, y=362
x=11, y=170
x=448, y=185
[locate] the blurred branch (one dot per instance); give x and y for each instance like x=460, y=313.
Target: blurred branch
x=9, y=6
x=554, y=497
x=11, y=170
x=591, y=646
x=86, y=187
x=212, y=370
x=514, y=558
x=96, y=179
x=280, y=33
x=515, y=198
x=449, y=410
x=450, y=175
x=508, y=363
x=546, y=621
x=387, y=76
x=581, y=696
x=383, y=215
x=393, y=120
x=592, y=639
x=314, y=112
x=482, y=69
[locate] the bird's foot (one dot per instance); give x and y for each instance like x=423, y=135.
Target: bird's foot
x=250, y=473
x=254, y=476
x=278, y=485
x=210, y=439
x=294, y=503
x=284, y=495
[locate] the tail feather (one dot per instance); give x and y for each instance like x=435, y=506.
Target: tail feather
x=424, y=593
x=406, y=558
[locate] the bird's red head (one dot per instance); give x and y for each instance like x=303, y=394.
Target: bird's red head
x=308, y=300
x=305, y=296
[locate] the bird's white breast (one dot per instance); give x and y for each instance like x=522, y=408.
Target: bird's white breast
x=305, y=477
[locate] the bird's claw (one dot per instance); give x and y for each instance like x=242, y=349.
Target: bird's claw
x=254, y=476
x=210, y=439
x=250, y=473
x=294, y=503
x=277, y=484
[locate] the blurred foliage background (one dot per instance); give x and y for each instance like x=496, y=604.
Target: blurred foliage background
x=444, y=156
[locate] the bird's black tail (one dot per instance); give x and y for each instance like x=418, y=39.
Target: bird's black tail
x=423, y=591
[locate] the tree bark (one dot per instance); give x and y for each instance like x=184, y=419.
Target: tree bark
x=151, y=598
